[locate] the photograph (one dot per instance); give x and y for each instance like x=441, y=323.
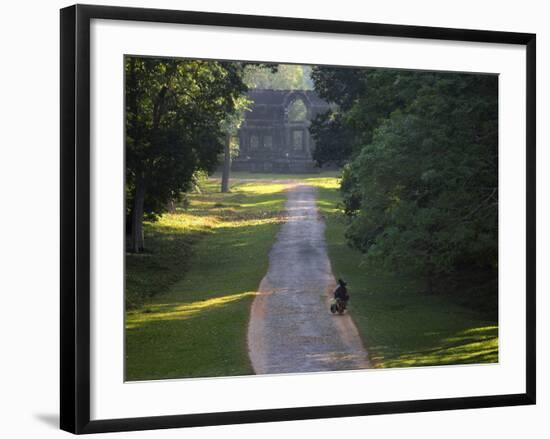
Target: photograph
x=297, y=218
x=271, y=220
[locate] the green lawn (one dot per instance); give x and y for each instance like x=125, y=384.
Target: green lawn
x=243, y=175
x=190, y=294
x=188, y=297
x=400, y=325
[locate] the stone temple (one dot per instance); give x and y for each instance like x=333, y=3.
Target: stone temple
x=274, y=136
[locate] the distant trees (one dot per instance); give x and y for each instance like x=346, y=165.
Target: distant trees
x=175, y=111
x=280, y=77
x=363, y=98
x=421, y=181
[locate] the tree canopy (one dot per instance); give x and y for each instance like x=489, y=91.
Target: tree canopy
x=280, y=77
x=420, y=184
x=177, y=113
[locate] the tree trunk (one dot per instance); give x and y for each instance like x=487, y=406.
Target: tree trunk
x=136, y=237
x=226, y=164
x=171, y=205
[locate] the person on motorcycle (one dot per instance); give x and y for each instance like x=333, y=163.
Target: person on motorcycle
x=341, y=292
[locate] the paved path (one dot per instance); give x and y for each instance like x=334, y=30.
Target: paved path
x=291, y=328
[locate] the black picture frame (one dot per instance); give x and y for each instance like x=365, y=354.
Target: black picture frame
x=75, y=217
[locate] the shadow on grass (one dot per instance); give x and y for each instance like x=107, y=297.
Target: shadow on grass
x=204, y=342
x=400, y=325
x=203, y=338
x=196, y=327
x=153, y=272
x=170, y=242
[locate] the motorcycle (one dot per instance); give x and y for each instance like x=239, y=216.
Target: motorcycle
x=338, y=306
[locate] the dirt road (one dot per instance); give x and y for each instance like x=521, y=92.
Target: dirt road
x=291, y=328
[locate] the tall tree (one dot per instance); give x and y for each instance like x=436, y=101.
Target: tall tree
x=420, y=183
x=175, y=109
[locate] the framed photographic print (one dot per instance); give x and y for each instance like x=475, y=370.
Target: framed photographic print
x=271, y=218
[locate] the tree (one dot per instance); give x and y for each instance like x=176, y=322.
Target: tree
x=175, y=109
x=334, y=140
x=428, y=182
x=363, y=98
x=420, y=177
x=279, y=77
x=230, y=126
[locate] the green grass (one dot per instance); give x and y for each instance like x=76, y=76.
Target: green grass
x=400, y=325
x=199, y=278
x=266, y=176
x=169, y=244
x=189, y=296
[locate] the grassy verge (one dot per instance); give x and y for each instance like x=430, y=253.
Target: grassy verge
x=244, y=175
x=190, y=295
x=400, y=325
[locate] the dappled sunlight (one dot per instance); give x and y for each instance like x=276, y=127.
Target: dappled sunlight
x=184, y=222
x=204, y=202
x=402, y=327
x=488, y=330
x=174, y=311
x=252, y=222
x=243, y=176
x=262, y=188
x=327, y=207
x=250, y=204
x=471, y=346
x=336, y=357
x=324, y=182
x=246, y=200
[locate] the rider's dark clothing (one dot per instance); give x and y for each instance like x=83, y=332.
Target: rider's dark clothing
x=341, y=293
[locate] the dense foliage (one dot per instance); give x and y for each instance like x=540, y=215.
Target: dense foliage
x=334, y=140
x=175, y=114
x=363, y=98
x=421, y=180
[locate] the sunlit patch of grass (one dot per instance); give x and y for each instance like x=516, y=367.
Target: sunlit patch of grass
x=261, y=188
x=400, y=325
x=185, y=222
x=327, y=207
x=174, y=311
x=324, y=182
x=329, y=200
x=267, y=176
x=461, y=348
